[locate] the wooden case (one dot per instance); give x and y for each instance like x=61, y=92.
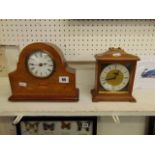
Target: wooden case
x=26, y=87
x=114, y=55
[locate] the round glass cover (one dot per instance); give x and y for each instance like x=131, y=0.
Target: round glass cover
x=40, y=64
x=114, y=77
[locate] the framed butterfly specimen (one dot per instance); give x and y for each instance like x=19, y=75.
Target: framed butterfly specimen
x=57, y=126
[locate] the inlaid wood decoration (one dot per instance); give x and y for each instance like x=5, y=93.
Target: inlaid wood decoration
x=42, y=74
x=115, y=73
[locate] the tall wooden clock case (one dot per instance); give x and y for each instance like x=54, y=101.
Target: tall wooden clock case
x=115, y=74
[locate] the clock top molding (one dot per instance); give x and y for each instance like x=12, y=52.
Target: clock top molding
x=116, y=54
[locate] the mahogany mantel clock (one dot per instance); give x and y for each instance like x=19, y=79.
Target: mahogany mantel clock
x=42, y=74
x=115, y=73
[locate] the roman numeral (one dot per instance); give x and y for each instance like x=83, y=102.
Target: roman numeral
x=49, y=70
x=36, y=54
x=41, y=55
x=36, y=72
x=32, y=68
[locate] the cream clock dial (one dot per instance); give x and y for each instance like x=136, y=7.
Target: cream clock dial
x=40, y=64
x=114, y=77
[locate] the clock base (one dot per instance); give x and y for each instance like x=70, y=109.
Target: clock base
x=45, y=98
x=111, y=97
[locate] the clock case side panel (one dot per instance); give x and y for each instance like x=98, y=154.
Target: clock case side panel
x=97, y=68
x=114, y=96
x=38, y=89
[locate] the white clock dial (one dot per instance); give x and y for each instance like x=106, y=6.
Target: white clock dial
x=114, y=77
x=40, y=64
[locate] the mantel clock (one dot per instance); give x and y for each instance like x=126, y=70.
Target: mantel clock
x=115, y=73
x=42, y=74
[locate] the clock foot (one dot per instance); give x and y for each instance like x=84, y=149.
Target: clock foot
x=111, y=97
x=50, y=98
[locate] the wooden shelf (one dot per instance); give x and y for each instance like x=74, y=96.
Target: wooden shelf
x=145, y=105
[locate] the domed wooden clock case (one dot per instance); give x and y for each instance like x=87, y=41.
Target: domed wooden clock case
x=43, y=75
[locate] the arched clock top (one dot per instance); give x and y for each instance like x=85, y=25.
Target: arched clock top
x=51, y=49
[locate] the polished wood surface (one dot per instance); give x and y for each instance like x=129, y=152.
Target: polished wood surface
x=114, y=55
x=38, y=89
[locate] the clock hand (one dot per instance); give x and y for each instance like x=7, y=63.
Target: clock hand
x=117, y=73
x=47, y=64
x=33, y=64
x=113, y=78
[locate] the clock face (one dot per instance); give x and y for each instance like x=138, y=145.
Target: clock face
x=40, y=64
x=114, y=77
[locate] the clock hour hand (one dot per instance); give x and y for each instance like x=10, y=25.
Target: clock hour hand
x=32, y=64
x=47, y=64
x=116, y=73
x=112, y=78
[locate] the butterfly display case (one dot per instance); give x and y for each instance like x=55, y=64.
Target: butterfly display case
x=57, y=126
